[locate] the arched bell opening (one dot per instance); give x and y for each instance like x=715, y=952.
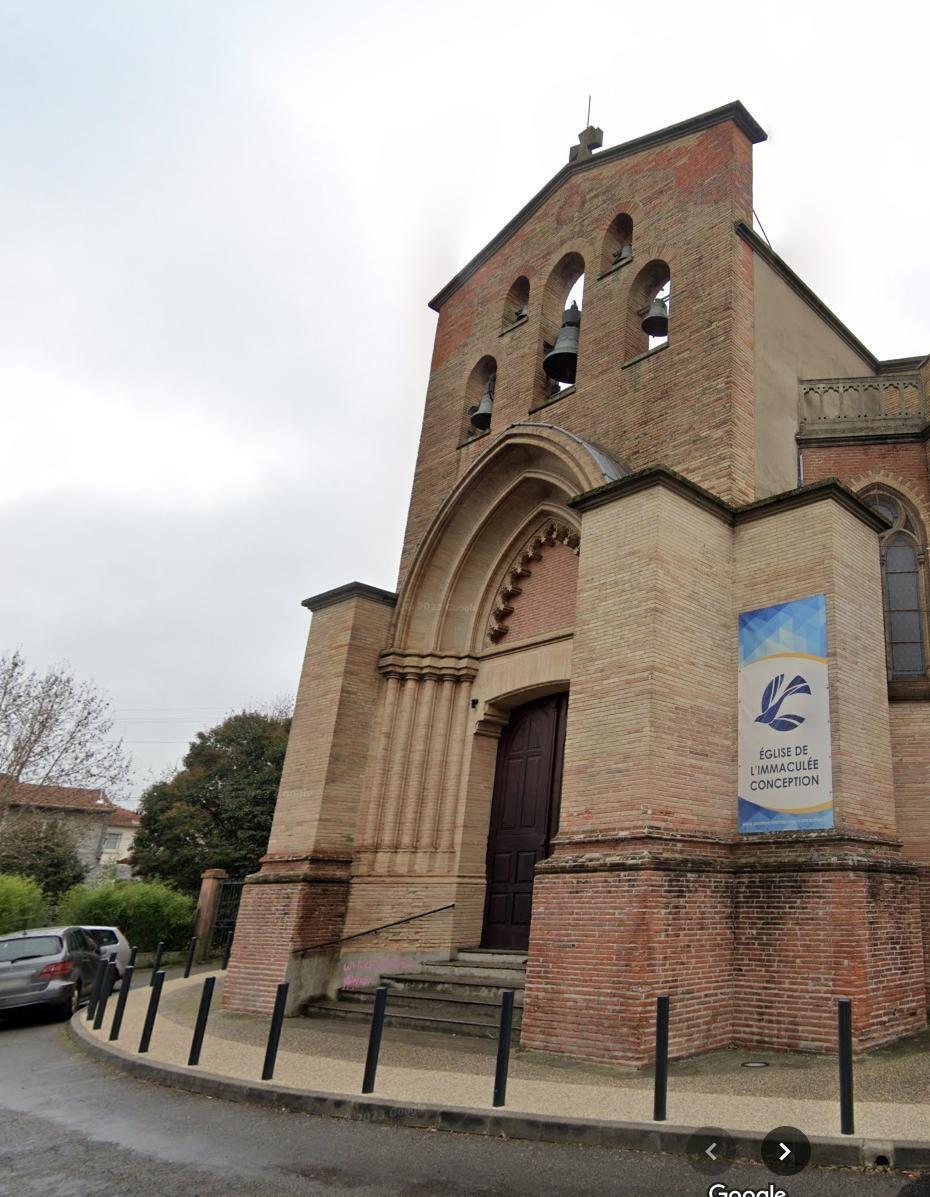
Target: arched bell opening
x=516, y=305
x=560, y=328
x=648, y=309
x=479, y=398
x=618, y=243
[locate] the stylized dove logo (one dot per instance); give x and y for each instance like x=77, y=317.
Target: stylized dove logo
x=771, y=705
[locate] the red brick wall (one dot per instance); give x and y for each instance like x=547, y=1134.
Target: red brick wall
x=275, y=920
x=604, y=945
x=756, y=958
x=853, y=460
x=689, y=406
x=547, y=599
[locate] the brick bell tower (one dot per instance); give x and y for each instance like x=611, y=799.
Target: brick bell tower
x=535, y=744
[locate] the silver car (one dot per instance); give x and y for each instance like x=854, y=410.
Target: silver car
x=113, y=944
x=47, y=966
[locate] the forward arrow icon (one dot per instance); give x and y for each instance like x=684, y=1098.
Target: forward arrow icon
x=785, y=1152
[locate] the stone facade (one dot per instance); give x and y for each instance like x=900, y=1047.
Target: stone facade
x=602, y=539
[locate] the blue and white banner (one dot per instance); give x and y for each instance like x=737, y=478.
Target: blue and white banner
x=785, y=762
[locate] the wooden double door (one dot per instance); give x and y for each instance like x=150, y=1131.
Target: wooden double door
x=524, y=816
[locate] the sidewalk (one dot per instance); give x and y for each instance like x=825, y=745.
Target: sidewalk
x=327, y=1057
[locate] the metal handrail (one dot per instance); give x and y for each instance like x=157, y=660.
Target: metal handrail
x=331, y=943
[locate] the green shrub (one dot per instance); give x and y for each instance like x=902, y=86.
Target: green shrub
x=22, y=903
x=145, y=911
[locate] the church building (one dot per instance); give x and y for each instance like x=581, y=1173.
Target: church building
x=649, y=711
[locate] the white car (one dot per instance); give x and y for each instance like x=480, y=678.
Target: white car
x=113, y=945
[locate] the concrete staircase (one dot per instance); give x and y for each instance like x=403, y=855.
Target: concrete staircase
x=460, y=996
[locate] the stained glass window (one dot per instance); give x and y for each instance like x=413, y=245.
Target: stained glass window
x=904, y=615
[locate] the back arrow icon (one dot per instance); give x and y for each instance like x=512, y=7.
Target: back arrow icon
x=785, y=1152
x=710, y=1151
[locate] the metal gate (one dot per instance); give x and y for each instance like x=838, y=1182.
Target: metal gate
x=224, y=921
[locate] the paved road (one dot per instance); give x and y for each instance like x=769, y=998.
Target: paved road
x=70, y=1127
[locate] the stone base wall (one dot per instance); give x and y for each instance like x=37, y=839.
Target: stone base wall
x=607, y=938
x=924, y=883
x=815, y=924
x=286, y=909
x=753, y=943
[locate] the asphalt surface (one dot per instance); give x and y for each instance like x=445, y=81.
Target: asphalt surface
x=71, y=1127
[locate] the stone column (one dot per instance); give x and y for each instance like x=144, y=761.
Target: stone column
x=211, y=886
x=293, y=909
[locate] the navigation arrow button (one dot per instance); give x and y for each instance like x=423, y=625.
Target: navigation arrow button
x=786, y=1151
x=710, y=1150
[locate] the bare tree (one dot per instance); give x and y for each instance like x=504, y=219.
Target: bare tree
x=54, y=730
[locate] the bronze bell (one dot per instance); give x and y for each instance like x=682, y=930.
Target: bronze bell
x=561, y=362
x=480, y=416
x=655, y=322
x=623, y=254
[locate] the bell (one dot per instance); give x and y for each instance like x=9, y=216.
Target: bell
x=480, y=416
x=655, y=322
x=561, y=362
x=623, y=254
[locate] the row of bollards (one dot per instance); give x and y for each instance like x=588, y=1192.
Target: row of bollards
x=104, y=981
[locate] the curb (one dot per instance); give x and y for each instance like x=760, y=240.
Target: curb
x=827, y=1151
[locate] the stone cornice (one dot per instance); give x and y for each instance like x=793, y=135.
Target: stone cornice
x=646, y=479
x=696, y=124
x=816, y=852
x=802, y=496
x=407, y=666
x=351, y=590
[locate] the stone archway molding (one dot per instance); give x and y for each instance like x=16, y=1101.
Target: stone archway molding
x=442, y=606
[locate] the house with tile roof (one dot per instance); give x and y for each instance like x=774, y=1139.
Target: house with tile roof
x=85, y=813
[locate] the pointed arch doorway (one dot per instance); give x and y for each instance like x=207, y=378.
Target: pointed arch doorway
x=524, y=816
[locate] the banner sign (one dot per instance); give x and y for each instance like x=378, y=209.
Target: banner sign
x=785, y=764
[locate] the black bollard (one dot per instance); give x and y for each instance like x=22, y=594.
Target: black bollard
x=158, y=979
x=191, y=949
x=132, y=958
x=844, y=1035
x=374, y=1039
x=503, y=1048
x=121, y=1002
x=95, y=987
x=109, y=980
x=661, y=1079
x=274, y=1033
x=156, y=963
x=203, y=1013
x=227, y=949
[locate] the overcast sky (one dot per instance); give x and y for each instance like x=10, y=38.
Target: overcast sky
x=220, y=224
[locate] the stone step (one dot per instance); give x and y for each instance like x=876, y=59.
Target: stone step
x=489, y=958
x=464, y=971
x=487, y=983
x=454, y=1004
x=352, y=1012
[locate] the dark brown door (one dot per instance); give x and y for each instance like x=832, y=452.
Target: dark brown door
x=524, y=816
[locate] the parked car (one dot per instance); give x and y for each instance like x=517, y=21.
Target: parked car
x=47, y=966
x=113, y=944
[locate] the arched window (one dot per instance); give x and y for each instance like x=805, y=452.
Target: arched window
x=902, y=550
x=618, y=244
x=516, y=303
x=648, y=309
x=561, y=317
x=479, y=398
